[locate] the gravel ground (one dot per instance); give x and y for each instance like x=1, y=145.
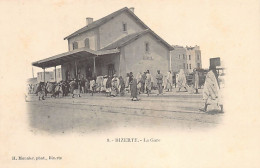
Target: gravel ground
x=98, y=113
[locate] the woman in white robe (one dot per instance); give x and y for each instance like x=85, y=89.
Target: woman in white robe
x=210, y=89
x=148, y=83
x=182, y=80
x=138, y=78
x=169, y=81
x=103, y=86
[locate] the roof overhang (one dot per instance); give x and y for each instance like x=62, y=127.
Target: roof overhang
x=77, y=54
x=132, y=37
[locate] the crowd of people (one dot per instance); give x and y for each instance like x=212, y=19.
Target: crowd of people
x=142, y=83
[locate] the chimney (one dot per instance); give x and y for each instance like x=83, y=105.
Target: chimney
x=89, y=20
x=132, y=9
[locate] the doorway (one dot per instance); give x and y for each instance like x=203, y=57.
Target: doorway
x=111, y=70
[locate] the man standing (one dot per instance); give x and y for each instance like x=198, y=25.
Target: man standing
x=159, y=78
x=148, y=82
x=134, y=90
x=143, y=82
x=115, y=85
x=196, y=81
x=82, y=84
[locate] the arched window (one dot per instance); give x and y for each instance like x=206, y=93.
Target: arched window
x=87, y=42
x=75, y=45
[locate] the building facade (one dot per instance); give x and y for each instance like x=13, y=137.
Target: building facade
x=178, y=59
x=115, y=44
x=193, y=58
x=186, y=58
x=49, y=76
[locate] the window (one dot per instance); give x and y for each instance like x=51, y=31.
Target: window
x=189, y=57
x=75, y=45
x=183, y=56
x=190, y=66
x=198, y=56
x=87, y=42
x=187, y=66
x=179, y=56
x=183, y=65
x=124, y=27
x=147, y=47
x=198, y=65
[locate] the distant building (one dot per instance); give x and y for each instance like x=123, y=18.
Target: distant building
x=49, y=76
x=178, y=59
x=32, y=81
x=193, y=58
x=186, y=58
x=58, y=75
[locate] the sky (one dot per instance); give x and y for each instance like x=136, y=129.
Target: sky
x=36, y=28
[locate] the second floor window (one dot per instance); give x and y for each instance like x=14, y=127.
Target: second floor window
x=183, y=56
x=189, y=57
x=183, y=65
x=187, y=66
x=147, y=47
x=190, y=66
x=124, y=27
x=179, y=56
x=75, y=45
x=198, y=56
x=87, y=42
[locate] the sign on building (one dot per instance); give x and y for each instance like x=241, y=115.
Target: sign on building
x=214, y=62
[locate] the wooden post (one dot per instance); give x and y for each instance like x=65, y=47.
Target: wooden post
x=94, y=66
x=170, y=62
x=44, y=75
x=32, y=72
x=55, y=74
x=45, y=93
x=76, y=70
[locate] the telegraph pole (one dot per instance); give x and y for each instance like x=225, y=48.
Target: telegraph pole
x=32, y=72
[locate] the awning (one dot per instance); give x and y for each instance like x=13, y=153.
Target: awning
x=77, y=54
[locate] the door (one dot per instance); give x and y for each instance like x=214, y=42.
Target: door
x=111, y=70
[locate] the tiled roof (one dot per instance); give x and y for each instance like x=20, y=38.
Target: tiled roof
x=131, y=37
x=111, y=16
x=121, y=42
x=102, y=21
